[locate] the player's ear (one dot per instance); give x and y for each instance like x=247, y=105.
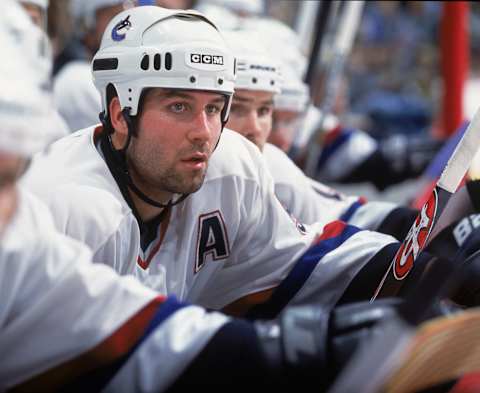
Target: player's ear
x=116, y=118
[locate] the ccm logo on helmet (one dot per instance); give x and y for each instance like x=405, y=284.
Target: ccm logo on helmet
x=206, y=59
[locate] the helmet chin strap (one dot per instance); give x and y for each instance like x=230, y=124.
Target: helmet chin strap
x=120, y=155
x=121, y=166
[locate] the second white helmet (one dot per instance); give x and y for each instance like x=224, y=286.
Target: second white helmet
x=151, y=46
x=256, y=70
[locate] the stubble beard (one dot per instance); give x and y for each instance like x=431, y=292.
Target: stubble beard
x=157, y=182
x=179, y=183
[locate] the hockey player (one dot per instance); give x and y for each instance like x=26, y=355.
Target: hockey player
x=38, y=49
x=136, y=189
x=69, y=325
x=257, y=87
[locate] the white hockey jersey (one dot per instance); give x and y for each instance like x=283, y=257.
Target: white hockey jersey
x=311, y=201
x=62, y=316
x=230, y=239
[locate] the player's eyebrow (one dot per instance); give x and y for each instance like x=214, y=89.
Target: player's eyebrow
x=241, y=99
x=245, y=100
x=172, y=93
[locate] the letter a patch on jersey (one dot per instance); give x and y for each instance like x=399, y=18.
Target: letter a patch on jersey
x=212, y=239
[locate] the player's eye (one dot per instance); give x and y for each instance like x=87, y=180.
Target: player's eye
x=264, y=111
x=212, y=109
x=178, y=107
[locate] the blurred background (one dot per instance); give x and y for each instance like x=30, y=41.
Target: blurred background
x=409, y=82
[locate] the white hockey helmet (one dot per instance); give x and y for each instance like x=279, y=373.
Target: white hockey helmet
x=151, y=46
x=281, y=41
x=241, y=7
x=27, y=119
x=32, y=42
x=255, y=69
x=223, y=18
x=295, y=94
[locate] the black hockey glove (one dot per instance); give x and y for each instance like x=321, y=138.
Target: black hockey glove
x=307, y=342
x=460, y=242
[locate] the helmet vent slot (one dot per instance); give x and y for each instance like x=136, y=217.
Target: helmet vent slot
x=157, y=61
x=105, y=64
x=145, y=63
x=168, y=61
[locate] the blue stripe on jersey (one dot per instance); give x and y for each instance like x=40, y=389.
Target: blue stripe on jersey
x=169, y=307
x=330, y=149
x=99, y=378
x=350, y=211
x=299, y=275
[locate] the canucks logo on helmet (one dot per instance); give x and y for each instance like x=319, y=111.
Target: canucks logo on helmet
x=120, y=29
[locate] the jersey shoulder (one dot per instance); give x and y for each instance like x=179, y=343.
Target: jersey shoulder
x=235, y=156
x=281, y=166
x=74, y=181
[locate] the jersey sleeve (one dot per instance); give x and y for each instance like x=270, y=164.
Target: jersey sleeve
x=55, y=302
x=267, y=240
x=273, y=247
x=67, y=323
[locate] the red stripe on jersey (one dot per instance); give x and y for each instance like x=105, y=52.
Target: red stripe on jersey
x=362, y=200
x=332, y=135
x=163, y=230
x=332, y=229
x=469, y=383
x=109, y=350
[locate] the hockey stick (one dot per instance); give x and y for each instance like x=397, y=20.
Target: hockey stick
x=418, y=234
x=348, y=25
x=388, y=351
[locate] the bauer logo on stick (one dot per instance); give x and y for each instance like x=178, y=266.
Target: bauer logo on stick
x=416, y=238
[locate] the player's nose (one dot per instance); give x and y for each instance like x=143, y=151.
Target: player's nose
x=252, y=125
x=201, y=128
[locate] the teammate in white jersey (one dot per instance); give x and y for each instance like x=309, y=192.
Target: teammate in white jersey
x=62, y=317
x=257, y=85
x=69, y=325
x=137, y=189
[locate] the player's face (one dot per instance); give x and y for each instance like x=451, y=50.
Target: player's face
x=178, y=132
x=251, y=115
x=11, y=167
x=285, y=125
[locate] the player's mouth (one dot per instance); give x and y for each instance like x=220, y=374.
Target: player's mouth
x=196, y=161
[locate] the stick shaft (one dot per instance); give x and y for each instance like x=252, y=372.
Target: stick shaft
x=417, y=237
